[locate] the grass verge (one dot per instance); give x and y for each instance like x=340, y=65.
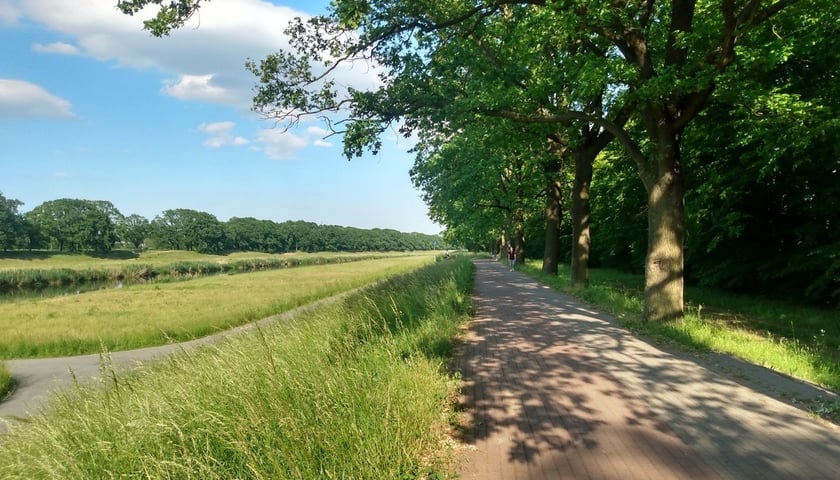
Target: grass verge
x=354, y=390
x=6, y=382
x=146, y=315
x=27, y=274
x=798, y=341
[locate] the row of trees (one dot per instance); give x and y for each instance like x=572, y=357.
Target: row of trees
x=689, y=139
x=72, y=225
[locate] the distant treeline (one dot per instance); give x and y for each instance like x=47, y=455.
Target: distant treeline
x=87, y=226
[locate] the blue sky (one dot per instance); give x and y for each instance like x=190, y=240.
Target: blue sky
x=93, y=107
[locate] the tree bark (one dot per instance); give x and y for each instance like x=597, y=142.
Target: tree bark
x=581, y=241
x=553, y=215
x=519, y=235
x=553, y=212
x=665, y=259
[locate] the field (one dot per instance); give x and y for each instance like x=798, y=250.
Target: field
x=119, y=258
x=153, y=314
x=354, y=389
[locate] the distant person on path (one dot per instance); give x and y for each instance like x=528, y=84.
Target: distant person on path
x=511, y=257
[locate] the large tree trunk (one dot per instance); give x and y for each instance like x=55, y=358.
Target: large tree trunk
x=519, y=236
x=553, y=217
x=551, y=254
x=580, y=217
x=664, y=263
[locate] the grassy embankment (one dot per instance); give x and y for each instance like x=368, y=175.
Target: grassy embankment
x=803, y=342
x=6, y=383
x=355, y=389
x=154, y=314
x=23, y=271
x=145, y=315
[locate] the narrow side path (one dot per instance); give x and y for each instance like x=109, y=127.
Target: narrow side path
x=37, y=378
x=556, y=390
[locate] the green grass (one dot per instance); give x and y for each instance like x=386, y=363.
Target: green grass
x=118, y=258
x=25, y=271
x=799, y=341
x=354, y=390
x=154, y=314
x=6, y=382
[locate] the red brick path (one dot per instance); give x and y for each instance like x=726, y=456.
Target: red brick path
x=555, y=390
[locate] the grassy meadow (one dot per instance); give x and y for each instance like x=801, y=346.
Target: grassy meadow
x=28, y=273
x=803, y=342
x=153, y=314
x=353, y=389
x=117, y=259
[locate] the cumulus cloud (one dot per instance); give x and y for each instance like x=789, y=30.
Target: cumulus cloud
x=21, y=99
x=281, y=144
x=9, y=14
x=221, y=135
x=319, y=135
x=60, y=48
x=197, y=87
x=204, y=59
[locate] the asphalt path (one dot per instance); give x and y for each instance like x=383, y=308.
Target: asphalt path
x=38, y=378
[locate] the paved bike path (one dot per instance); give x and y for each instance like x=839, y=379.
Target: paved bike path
x=554, y=389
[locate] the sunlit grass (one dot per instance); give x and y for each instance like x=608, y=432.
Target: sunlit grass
x=118, y=258
x=144, y=315
x=351, y=390
x=5, y=381
x=792, y=339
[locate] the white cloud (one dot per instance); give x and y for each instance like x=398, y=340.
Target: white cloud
x=60, y=48
x=197, y=87
x=19, y=98
x=221, y=135
x=317, y=131
x=204, y=59
x=9, y=14
x=280, y=144
x=217, y=127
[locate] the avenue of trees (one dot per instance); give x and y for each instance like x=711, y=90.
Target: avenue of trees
x=691, y=140
x=97, y=227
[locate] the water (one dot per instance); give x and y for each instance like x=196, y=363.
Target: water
x=78, y=289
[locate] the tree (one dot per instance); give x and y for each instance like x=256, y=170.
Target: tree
x=766, y=162
x=11, y=223
x=76, y=225
x=185, y=229
x=478, y=177
x=667, y=57
x=133, y=230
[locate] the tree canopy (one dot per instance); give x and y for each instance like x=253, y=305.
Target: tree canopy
x=96, y=227
x=726, y=110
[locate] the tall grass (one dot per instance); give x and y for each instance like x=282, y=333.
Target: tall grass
x=799, y=341
x=155, y=314
x=52, y=273
x=6, y=382
x=356, y=390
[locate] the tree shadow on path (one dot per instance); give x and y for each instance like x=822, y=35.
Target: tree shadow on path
x=554, y=389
